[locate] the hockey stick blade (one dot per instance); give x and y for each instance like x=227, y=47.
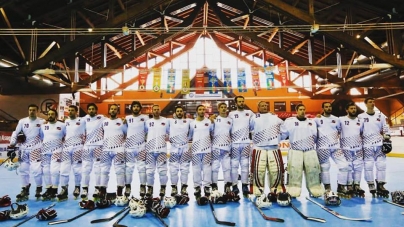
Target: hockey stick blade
x=307, y=217
x=336, y=214
x=218, y=221
x=267, y=217
x=393, y=203
x=120, y=219
x=70, y=219
x=110, y=218
x=32, y=216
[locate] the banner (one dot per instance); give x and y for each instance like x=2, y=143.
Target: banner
x=255, y=74
x=227, y=81
x=269, y=77
x=241, y=82
x=5, y=138
x=156, y=79
x=213, y=81
x=142, y=79
x=283, y=72
x=185, y=82
x=171, y=81
x=199, y=81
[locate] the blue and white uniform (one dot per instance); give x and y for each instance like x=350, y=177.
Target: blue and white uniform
x=221, y=146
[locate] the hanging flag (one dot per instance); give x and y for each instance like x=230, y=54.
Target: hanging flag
x=255, y=78
x=283, y=72
x=269, y=77
x=199, y=81
x=213, y=81
x=156, y=79
x=227, y=81
x=171, y=81
x=185, y=82
x=142, y=79
x=241, y=80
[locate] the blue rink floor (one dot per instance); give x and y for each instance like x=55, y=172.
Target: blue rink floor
x=244, y=214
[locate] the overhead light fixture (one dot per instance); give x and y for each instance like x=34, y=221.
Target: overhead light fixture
x=314, y=28
x=44, y=71
x=125, y=30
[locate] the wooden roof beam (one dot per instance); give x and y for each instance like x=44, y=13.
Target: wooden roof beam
x=14, y=36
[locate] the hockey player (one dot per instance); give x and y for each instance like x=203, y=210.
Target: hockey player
x=157, y=129
x=241, y=148
x=329, y=127
x=135, y=150
x=72, y=152
x=113, y=151
x=221, y=146
x=375, y=129
x=265, y=128
x=52, y=135
x=180, y=154
x=351, y=145
x=92, y=150
x=29, y=151
x=302, y=134
x=200, y=133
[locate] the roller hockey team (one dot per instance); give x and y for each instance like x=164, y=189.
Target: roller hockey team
x=236, y=142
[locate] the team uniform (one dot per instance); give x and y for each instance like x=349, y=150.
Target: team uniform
x=52, y=135
x=328, y=146
x=241, y=148
x=92, y=153
x=351, y=145
x=265, y=130
x=29, y=154
x=221, y=146
x=302, y=136
x=180, y=154
x=135, y=151
x=156, y=153
x=200, y=133
x=374, y=127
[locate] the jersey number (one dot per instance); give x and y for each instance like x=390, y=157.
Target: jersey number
x=151, y=124
x=346, y=122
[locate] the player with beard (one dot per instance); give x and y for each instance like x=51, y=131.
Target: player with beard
x=113, y=151
x=180, y=154
x=351, y=145
x=135, y=148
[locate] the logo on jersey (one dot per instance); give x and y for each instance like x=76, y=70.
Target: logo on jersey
x=88, y=119
x=58, y=128
x=378, y=119
x=119, y=124
x=162, y=123
x=358, y=124
x=77, y=123
x=99, y=117
x=141, y=119
x=185, y=121
x=206, y=124
x=38, y=125
x=310, y=123
x=247, y=114
x=333, y=121
x=229, y=122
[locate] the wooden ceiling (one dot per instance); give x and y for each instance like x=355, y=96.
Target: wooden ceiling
x=39, y=34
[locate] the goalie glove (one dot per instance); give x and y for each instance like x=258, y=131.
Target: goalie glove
x=44, y=215
x=387, y=146
x=5, y=201
x=218, y=197
x=202, y=201
x=5, y=215
x=104, y=203
x=11, y=152
x=89, y=204
x=232, y=197
x=181, y=199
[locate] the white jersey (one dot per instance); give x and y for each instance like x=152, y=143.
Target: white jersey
x=241, y=126
x=266, y=129
x=351, y=133
x=136, y=136
x=114, y=133
x=75, y=132
x=200, y=133
x=302, y=134
x=179, y=129
x=221, y=133
x=94, y=131
x=157, y=130
x=52, y=136
x=328, y=131
x=374, y=126
x=31, y=129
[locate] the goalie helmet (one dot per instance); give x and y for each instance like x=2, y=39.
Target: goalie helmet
x=170, y=202
x=262, y=201
x=387, y=146
x=139, y=211
x=284, y=199
x=331, y=199
x=397, y=197
x=121, y=201
x=18, y=211
x=45, y=215
x=10, y=166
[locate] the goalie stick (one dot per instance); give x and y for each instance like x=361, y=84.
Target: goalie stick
x=267, y=217
x=336, y=214
x=218, y=221
x=307, y=217
x=110, y=218
x=393, y=203
x=32, y=216
x=70, y=219
x=120, y=219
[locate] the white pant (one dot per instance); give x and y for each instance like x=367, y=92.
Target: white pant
x=373, y=156
x=355, y=160
x=220, y=157
x=202, y=165
x=71, y=159
x=135, y=156
x=159, y=160
x=240, y=156
x=91, y=162
x=339, y=158
x=117, y=156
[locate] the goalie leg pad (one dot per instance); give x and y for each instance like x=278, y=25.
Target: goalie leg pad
x=276, y=170
x=312, y=173
x=295, y=171
x=259, y=168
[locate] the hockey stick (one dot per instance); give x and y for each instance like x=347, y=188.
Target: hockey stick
x=267, y=217
x=218, y=221
x=110, y=218
x=307, y=217
x=160, y=219
x=70, y=219
x=120, y=219
x=393, y=203
x=32, y=216
x=336, y=214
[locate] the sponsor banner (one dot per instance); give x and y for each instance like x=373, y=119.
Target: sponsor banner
x=269, y=77
x=241, y=80
x=199, y=81
x=156, y=79
x=213, y=81
x=171, y=81
x=185, y=82
x=255, y=74
x=5, y=138
x=227, y=81
x=142, y=79
x=284, y=73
